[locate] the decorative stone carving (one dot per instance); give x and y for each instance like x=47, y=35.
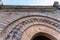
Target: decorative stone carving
x=22, y=24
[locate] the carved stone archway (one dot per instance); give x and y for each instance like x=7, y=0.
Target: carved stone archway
x=36, y=30
x=34, y=24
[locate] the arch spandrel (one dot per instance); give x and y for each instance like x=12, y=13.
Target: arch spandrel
x=18, y=27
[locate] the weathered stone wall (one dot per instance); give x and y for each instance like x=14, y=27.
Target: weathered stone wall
x=10, y=18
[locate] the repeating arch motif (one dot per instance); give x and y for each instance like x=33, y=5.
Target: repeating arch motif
x=20, y=25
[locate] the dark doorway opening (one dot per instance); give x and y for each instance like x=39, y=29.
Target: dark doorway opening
x=41, y=37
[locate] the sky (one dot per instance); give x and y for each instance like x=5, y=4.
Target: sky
x=29, y=2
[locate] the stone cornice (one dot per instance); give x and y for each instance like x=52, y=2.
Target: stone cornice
x=14, y=8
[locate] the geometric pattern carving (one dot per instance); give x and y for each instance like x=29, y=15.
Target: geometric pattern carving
x=20, y=25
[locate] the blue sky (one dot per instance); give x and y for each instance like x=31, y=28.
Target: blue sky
x=29, y=2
